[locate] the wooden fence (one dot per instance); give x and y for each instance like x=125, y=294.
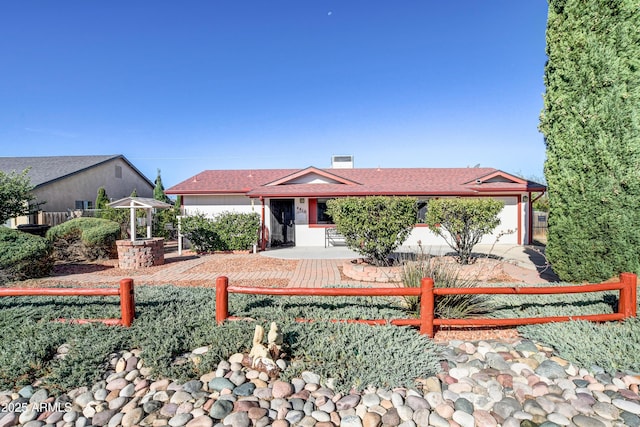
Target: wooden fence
x=427, y=292
x=125, y=292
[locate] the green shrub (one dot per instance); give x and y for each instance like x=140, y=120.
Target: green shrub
x=462, y=222
x=201, y=232
x=281, y=308
x=555, y=305
x=374, y=226
x=102, y=200
x=165, y=222
x=592, y=134
x=23, y=256
x=84, y=239
x=228, y=231
x=238, y=231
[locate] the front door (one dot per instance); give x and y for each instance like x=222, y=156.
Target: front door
x=282, y=222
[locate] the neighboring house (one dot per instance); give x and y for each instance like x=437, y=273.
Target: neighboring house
x=292, y=202
x=68, y=183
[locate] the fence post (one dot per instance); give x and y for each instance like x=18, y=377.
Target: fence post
x=222, y=299
x=628, y=295
x=127, y=302
x=427, y=306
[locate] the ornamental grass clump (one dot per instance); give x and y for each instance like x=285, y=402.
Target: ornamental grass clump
x=444, y=275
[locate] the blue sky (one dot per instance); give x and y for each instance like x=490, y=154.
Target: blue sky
x=209, y=84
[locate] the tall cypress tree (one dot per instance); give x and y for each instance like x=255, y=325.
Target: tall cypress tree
x=158, y=190
x=102, y=200
x=591, y=124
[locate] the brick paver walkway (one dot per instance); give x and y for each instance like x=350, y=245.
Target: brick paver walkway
x=308, y=273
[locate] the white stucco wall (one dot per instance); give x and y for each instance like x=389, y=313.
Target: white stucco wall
x=213, y=205
x=508, y=226
x=306, y=235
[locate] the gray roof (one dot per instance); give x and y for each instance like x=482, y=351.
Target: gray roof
x=50, y=168
x=140, y=202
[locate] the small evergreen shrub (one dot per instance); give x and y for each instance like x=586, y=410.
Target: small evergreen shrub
x=283, y=308
x=228, y=231
x=462, y=222
x=201, y=232
x=23, y=256
x=613, y=346
x=554, y=305
x=238, y=231
x=84, y=239
x=374, y=226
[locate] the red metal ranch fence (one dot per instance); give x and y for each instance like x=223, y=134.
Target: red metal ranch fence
x=124, y=291
x=427, y=322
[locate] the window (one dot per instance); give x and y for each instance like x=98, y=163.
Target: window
x=323, y=217
x=118, y=171
x=84, y=204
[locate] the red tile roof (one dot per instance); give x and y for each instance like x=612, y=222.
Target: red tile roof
x=354, y=182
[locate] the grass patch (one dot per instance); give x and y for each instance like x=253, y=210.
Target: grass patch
x=612, y=346
x=173, y=320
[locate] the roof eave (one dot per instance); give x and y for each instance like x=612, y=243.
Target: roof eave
x=205, y=192
x=255, y=195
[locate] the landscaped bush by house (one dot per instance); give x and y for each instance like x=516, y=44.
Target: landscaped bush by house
x=238, y=231
x=83, y=239
x=201, y=232
x=462, y=222
x=228, y=231
x=374, y=226
x=23, y=256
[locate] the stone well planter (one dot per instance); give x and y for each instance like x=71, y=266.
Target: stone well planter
x=361, y=271
x=140, y=253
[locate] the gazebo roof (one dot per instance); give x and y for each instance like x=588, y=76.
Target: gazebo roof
x=139, y=202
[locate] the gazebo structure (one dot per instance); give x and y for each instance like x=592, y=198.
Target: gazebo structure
x=139, y=253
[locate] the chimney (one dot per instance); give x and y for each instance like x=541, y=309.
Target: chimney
x=342, y=162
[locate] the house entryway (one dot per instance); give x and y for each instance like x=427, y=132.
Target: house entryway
x=282, y=222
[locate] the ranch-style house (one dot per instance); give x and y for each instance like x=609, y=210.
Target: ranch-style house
x=292, y=202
